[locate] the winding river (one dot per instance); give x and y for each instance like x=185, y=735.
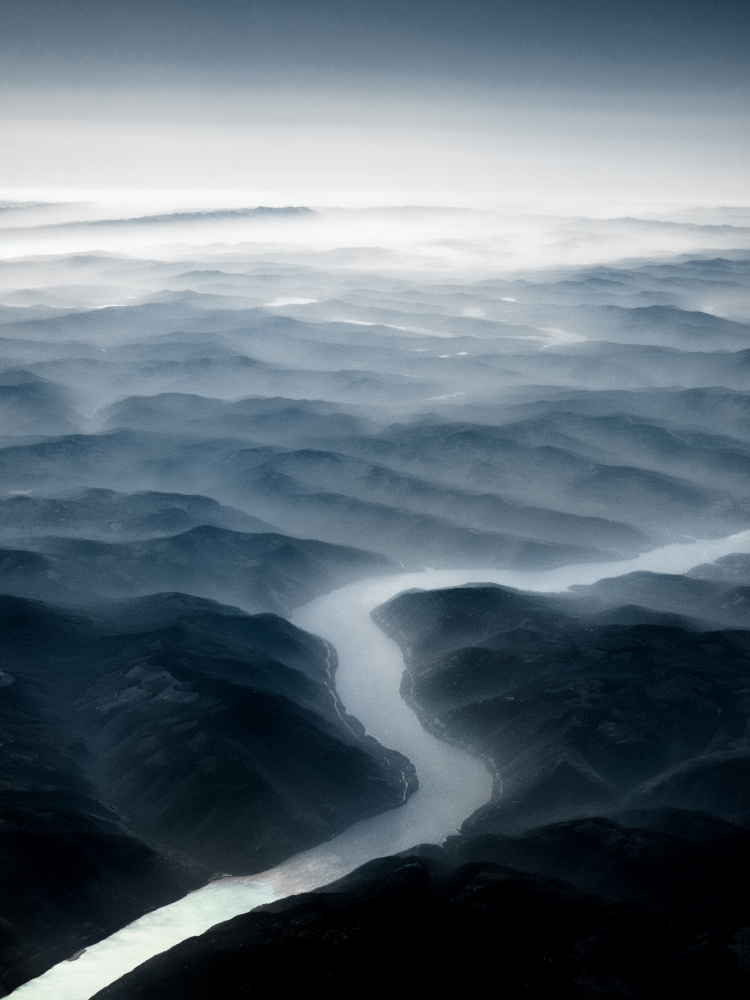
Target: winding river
x=452, y=783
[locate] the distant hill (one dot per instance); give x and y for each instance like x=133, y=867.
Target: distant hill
x=260, y=572
x=31, y=405
x=108, y=515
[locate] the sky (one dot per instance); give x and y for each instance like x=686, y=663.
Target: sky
x=504, y=99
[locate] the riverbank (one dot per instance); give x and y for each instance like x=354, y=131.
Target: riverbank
x=452, y=783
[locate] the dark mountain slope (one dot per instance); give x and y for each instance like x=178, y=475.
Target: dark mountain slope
x=719, y=600
x=211, y=733
x=463, y=921
x=71, y=870
x=579, y=706
x=260, y=572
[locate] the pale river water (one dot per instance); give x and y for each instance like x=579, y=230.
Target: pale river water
x=452, y=784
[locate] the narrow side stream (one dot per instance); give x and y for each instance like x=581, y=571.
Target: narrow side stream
x=452, y=783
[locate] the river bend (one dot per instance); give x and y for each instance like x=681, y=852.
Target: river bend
x=452, y=784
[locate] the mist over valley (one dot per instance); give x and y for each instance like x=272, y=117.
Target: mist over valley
x=381, y=570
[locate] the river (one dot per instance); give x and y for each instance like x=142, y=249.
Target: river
x=452, y=784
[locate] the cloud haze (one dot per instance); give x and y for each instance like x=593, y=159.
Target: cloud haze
x=492, y=97
x=304, y=302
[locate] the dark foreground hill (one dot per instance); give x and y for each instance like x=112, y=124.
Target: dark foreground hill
x=151, y=743
x=583, y=706
x=588, y=910
x=614, y=858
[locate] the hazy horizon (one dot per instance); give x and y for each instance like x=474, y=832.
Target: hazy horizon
x=304, y=303
x=499, y=99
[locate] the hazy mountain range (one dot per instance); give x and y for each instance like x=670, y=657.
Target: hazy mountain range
x=210, y=417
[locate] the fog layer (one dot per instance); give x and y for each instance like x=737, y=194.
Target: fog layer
x=220, y=416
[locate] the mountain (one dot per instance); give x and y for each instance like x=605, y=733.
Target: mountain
x=30, y=405
x=618, y=925
x=268, y=420
x=503, y=460
x=218, y=215
x=716, y=600
x=716, y=410
x=109, y=515
x=158, y=741
x=299, y=478
x=261, y=572
x=734, y=568
x=579, y=705
x=198, y=439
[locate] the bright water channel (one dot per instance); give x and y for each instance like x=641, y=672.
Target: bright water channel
x=452, y=784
